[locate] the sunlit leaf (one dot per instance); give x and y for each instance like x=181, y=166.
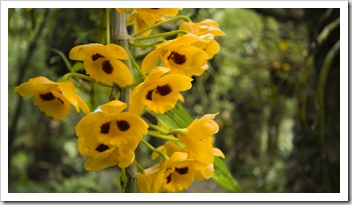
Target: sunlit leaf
x=175, y=118
x=223, y=177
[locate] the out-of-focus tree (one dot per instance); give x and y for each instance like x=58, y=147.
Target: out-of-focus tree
x=314, y=164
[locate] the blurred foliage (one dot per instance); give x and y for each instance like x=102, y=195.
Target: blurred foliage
x=250, y=83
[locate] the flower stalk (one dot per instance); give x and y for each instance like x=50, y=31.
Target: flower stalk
x=120, y=36
x=107, y=16
x=161, y=35
x=123, y=180
x=161, y=136
x=165, y=132
x=145, y=45
x=77, y=75
x=164, y=156
x=185, y=18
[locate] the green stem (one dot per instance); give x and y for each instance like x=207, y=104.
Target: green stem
x=161, y=136
x=132, y=177
x=107, y=14
x=120, y=36
x=160, y=35
x=77, y=75
x=64, y=58
x=140, y=168
x=82, y=76
x=322, y=84
x=118, y=26
x=145, y=45
x=123, y=180
x=113, y=93
x=185, y=18
x=155, y=127
x=149, y=146
x=330, y=57
x=92, y=98
x=138, y=69
x=327, y=31
x=181, y=131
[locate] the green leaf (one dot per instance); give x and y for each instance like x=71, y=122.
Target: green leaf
x=180, y=110
x=178, y=117
x=166, y=121
x=64, y=58
x=223, y=177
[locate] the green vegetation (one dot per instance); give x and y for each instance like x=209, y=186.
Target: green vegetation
x=263, y=83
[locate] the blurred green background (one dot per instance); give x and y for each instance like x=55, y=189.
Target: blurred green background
x=275, y=84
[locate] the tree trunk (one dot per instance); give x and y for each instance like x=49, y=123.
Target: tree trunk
x=248, y=130
x=314, y=164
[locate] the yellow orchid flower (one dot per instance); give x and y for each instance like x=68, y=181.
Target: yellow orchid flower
x=100, y=156
x=198, y=141
x=110, y=132
x=102, y=62
x=52, y=98
x=174, y=175
x=145, y=180
x=206, y=30
x=144, y=17
x=188, y=162
x=207, y=26
x=208, y=44
x=159, y=92
x=179, y=55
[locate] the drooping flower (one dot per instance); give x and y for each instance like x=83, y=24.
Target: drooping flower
x=144, y=17
x=206, y=30
x=102, y=62
x=207, y=26
x=52, y=98
x=198, y=141
x=159, y=92
x=179, y=55
x=109, y=137
x=174, y=175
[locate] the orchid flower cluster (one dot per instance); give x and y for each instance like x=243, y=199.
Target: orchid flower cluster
x=110, y=135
